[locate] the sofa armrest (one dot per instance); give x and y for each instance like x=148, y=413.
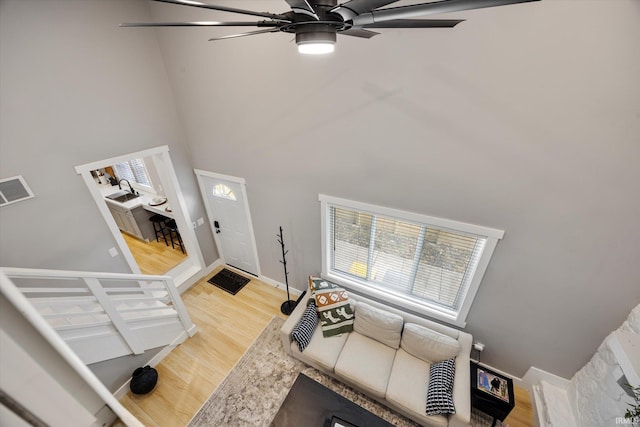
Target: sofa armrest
x=462, y=384
x=290, y=323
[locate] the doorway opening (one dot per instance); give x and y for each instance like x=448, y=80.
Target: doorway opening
x=130, y=190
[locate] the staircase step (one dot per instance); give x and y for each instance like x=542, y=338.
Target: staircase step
x=145, y=316
x=68, y=326
x=60, y=300
x=109, y=343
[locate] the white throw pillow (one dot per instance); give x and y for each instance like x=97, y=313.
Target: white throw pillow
x=428, y=345
x=379, y=325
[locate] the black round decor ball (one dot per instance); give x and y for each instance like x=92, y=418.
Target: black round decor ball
x=143, y=380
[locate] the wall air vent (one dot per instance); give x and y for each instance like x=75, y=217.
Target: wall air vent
x=14, y=189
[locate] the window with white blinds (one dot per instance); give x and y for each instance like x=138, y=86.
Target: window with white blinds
x=430, y=265
x=133, y=171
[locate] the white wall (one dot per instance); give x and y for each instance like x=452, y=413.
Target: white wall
x=524, y=118
x=75, y=89
x=60, y=374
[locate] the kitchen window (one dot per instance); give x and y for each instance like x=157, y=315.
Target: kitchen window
x=428, y=265
x=135, y=172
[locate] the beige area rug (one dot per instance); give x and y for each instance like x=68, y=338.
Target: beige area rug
x=253, y=391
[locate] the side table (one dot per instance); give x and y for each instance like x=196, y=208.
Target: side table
x=491, y=392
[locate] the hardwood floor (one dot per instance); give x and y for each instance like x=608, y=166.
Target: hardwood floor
x=154, y=257
x=227, y=325
x=522, y=414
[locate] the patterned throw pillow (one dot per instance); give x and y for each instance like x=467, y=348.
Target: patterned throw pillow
x=440, y=391
x=334, y=310
x=303, y=331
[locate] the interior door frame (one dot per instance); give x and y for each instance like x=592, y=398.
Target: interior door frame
x=169, y=181
x=200, y=174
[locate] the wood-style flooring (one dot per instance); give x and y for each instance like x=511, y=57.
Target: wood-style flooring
x=154, y=257
x=227, y=325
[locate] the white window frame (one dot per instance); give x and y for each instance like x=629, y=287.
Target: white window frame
x=457, y=318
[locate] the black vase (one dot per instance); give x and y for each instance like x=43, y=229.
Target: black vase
x=143, y=380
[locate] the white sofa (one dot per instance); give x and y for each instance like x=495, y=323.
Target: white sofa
x=383, y=365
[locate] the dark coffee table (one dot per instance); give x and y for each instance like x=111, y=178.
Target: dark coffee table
x=309, y=403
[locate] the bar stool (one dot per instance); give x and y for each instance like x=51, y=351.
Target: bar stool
x=172, y=228
x=159, y=228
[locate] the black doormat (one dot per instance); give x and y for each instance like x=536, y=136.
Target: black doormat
x=229, y=281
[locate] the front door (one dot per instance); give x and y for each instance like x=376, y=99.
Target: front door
x=228, y=212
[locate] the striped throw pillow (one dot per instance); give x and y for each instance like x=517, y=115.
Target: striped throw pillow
x=303, y=331
x=440, y=391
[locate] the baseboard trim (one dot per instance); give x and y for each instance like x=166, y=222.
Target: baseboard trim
x=211, y=267
x=269, y=281
x=532, y=377
x=516, y=380
x=124, y=388
x=292, y=291
x=104, y=417
x=201, y=274
x=535, y=375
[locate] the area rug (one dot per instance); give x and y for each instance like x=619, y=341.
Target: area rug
x=229, y=281
x=251, y=394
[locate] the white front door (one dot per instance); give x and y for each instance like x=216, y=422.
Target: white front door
x=228, y=211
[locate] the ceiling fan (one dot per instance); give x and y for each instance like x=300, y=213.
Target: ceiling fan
x=316, y=23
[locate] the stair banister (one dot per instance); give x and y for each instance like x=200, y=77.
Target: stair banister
x=69, y=274
x=110, y=309
x=178, y=305
x=166, y=281
x=21, y=303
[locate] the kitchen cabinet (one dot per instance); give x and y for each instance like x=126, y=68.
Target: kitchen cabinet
x=141, y=217
x=133, y=221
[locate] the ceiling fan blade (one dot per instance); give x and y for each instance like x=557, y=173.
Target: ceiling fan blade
x=251, y=33
x=302, y=6
x=359, y=32
x=202, y=24
x=353, y=8
x=417, y=10
x=416, y=23
x=226, y=9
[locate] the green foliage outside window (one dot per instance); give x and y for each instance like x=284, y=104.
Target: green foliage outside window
x=633, y=413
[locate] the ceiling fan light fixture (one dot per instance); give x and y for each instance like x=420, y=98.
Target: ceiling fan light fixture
x=316, y=48
x=316, y=39
x=316, y=23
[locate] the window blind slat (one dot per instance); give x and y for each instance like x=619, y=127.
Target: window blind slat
x=417, y=260
x=133, y=171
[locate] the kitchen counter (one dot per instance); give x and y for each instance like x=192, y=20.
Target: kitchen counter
x=160, y=209
x=143, y=200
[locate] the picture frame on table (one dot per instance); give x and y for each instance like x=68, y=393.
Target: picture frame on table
x=493, y=385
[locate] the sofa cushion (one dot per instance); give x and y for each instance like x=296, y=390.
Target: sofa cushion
x=366, y=364
x=334, y=308
x=407, y=389
x=428, y=345
x=440, y=391
x=380, y=325
x=303, y=331
x=321, y=353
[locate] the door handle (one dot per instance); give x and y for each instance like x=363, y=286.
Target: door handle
x=216, y=224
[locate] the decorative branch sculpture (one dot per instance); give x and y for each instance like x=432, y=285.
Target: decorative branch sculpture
x=287, y=306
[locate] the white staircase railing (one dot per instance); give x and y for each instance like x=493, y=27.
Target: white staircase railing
x=22, y=304
x=73, y=299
